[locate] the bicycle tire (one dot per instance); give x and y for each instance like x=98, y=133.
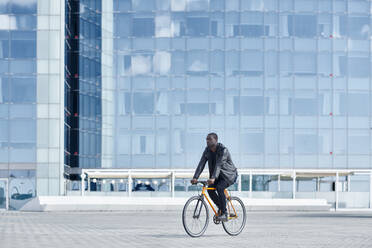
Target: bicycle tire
x=225, y=224
x=184, y=212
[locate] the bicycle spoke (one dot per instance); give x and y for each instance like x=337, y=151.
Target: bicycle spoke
x=235, y=224
x=195, y=218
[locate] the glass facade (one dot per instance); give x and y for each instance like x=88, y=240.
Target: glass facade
x=285, y=84
x=83, y=118
x=18, y=140
x=30, y=59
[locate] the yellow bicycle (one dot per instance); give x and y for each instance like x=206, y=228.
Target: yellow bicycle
x=195, y=215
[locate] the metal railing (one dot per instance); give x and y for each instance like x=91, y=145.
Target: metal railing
x=293, y=175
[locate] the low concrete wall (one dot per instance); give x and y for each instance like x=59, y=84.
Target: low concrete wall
x=107, y=203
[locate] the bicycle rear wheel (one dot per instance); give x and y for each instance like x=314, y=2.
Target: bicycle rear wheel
x=237, y=216
x=195, y=216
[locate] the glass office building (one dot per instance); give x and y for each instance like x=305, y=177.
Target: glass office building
x=138, y=84
x=31, y=72
x=285, y=84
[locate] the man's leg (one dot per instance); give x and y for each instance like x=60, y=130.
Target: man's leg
x=220, y=187
x=213, y=195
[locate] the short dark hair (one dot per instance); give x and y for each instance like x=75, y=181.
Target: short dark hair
x=214, y=135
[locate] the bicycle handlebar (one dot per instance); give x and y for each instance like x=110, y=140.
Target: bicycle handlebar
x=205, y=183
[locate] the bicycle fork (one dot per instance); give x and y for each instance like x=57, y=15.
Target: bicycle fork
x=197, y=210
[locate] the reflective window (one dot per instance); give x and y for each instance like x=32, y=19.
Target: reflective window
x=123, y=5
x=143, y=5
x=4, y=89
x=305, y=104
x=354, y=27
x=358, y=67
x=23, y=90
x=125, y=27
x=23, y=49
x=304, y=63
x=197, y=62
x=143, y=27
x=143, y=103
x=358, y=142
x=306, y=141
x=197, y=26
x=250, y=105
x=251, y=63
x=252, y=142
x=290, y=64
x=162, y=102
x=357, y=104
x=302, y=25
x=22, y=132
x=21, y=7
x=23, y=66
x=4, y=49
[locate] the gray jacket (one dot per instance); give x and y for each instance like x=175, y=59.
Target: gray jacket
x=224, y=165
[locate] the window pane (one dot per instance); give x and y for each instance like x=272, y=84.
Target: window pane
x=357, y=104
x=354, y=27
x=125, y=27
x=23, y=66
x=23, y=90
x=198, y=26
x=358, y=67
x=252, y=142
x=23, y=49
x=143, y=5
x=306, y=141
x=197, y=62
x=305, y=104
x=143, y=27
x=251, y=63
x=250, y=105
x=23, y=131
x=143, y=103
x=304, y=63
x=302, y=25
x=358, y=142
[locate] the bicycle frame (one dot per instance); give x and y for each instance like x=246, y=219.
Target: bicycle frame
x=210, y=204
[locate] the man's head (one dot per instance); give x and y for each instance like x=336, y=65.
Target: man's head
x=212, y=140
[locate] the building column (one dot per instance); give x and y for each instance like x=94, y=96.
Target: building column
x=317, y=184
x=129, y=185
x=172, y=183
x=278, y=182
x=336, y=189
x=294, y=185
x=370, y=190
x=250, y=184
x=240, y=183
x=7, y=194
x=88, y=180
x=82, y=184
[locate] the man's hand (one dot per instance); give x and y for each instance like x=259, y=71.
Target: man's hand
x=194, y=181
x=210, y=181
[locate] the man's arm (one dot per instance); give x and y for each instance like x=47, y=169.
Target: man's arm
x=201, y=165
x=219, y=162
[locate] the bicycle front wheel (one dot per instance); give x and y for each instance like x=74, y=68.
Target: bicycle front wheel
x=195, y=216
x=237, y=216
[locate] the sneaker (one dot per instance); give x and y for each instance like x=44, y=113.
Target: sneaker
x=223, y=217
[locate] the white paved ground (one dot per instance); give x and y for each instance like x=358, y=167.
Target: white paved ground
x=161, y=229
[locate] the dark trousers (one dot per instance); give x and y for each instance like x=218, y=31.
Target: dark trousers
x=220, y=200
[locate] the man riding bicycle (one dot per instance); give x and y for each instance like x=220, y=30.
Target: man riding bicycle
x=222, y=172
